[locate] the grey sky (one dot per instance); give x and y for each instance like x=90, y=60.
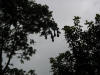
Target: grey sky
x=64, y=10
x=63, y=13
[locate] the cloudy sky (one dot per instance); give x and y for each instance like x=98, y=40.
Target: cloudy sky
x=63, y=13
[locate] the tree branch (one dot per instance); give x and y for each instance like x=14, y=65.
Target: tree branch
x=14, y=47
x=4, y=70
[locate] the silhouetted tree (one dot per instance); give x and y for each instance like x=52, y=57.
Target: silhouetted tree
x=84, y=55
x=16, y=71
x=18, y=19
x=63, y=64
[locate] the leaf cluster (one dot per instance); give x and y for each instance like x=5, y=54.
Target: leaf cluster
x=84, y=56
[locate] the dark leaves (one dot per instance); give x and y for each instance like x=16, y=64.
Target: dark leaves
x=19, y=19
x=84, y=55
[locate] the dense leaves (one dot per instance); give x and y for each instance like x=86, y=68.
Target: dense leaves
x=63, y=64
x=16, y=71
x=18, y=19
x=84, y=55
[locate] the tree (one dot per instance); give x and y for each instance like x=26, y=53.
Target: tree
x=18, y=19
x=63, y=64
x=84, y=55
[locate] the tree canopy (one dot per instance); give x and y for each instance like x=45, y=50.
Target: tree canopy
x=18, y=19
x=84, y=54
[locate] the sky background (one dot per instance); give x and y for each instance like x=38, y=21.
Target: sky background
x=63, y=13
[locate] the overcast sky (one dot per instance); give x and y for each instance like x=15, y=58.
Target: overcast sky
x=63, y=13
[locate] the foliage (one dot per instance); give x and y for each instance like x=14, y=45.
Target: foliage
x=84, y=56
x=63, y=64
x=18, y=19
x=16, y=71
